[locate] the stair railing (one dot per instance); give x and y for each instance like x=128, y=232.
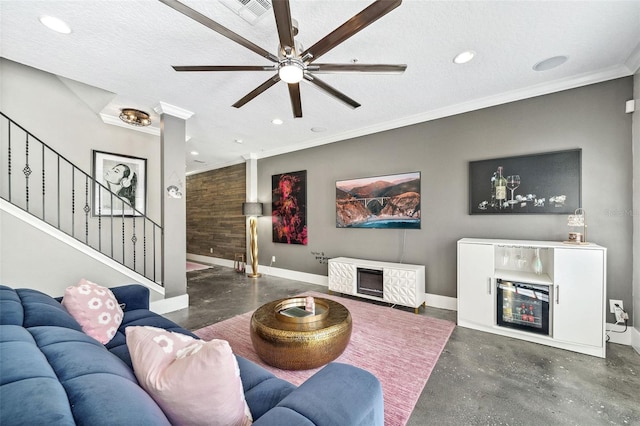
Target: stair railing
x=42, y=182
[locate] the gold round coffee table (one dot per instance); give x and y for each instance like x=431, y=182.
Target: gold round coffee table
x=300, y=343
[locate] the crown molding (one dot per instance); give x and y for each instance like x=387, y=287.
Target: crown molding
x=633, y=61
x=165, y=108
x=477, y=104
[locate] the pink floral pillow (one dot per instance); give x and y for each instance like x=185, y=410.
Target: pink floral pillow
x=193, y=381
x=95, y=308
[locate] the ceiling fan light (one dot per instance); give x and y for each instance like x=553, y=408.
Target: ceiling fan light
x=291, y=71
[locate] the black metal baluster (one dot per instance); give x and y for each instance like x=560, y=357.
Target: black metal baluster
x=134, y=239
x=99, y=189
x=58, y=190
x=86, y=209
x=27, y=171
x=111, y=216
x=9, y=161
x=73, y=202
x=154, y=255
x=123, y=260
x=144, y=247
x=43, y=178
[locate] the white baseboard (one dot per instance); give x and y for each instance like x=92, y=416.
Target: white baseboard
x=635, y=339
x=442, y=302
x=169, y=305
x=433, y=300
x=295, y=275
x=621, y=338
x=210, y=259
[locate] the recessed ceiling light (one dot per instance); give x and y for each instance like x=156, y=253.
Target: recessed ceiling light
x=55, y=24
x=464, y=57
x=194, y=153
x=238, y=141
x=318, y=129
x=550, y=63
x=277, y=121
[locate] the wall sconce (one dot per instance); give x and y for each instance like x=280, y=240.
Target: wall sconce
x=252, y=210
x=578, y=219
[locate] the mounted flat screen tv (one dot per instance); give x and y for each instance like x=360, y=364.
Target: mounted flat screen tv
x=391, y=201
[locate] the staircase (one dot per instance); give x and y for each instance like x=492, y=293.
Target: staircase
x=45, y=185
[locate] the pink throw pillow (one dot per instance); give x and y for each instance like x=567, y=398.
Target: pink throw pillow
x=95, y=308
x=193, y=381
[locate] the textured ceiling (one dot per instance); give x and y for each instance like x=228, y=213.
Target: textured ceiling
x=127, y=48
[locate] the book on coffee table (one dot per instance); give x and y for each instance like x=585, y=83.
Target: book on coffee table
x=295, y=312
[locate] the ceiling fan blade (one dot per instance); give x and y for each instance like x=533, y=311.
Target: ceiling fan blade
x=296, y=102
x=258, y=90
x=372, y=68
x=282, y=13
x=209, y=23
x=358, y=22
x=330, y=90
x=182, y=68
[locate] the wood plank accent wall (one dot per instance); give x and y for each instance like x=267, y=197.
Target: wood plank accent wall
x=214, y=212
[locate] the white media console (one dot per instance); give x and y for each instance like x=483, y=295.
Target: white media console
x=396, y=283
x=569, y=280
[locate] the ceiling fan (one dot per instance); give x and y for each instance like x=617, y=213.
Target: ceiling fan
x=292, y=65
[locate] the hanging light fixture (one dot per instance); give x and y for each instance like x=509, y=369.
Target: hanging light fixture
x=135, y=117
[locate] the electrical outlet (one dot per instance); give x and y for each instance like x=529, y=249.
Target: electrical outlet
x=620, y=314
x=211, y=250
x=273, y=259
x=612, y=305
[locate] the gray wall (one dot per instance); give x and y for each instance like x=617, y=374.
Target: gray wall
x=591, y=118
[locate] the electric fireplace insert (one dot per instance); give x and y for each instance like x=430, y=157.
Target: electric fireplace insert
x=370, y=282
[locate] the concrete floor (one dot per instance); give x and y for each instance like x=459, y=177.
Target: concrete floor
x=480, y=378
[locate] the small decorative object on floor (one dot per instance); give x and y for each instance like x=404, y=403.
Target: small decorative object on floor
x=239, y=264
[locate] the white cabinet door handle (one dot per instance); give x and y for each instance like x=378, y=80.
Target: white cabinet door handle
x=557, y=295
x=489, y=285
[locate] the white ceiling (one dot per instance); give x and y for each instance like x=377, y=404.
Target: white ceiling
x=128, y=47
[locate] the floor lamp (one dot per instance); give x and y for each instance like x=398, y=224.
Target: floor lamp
x=253, y=209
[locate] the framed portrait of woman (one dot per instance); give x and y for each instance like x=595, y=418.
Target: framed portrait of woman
x=120, y=184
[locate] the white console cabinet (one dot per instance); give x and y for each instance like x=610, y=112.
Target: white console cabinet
x=403, y=284
x=573, y=275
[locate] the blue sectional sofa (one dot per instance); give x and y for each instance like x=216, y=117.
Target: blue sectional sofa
x=51, y=373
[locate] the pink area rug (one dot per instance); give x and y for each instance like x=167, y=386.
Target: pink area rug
x=192, y=266
x=398, y=347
